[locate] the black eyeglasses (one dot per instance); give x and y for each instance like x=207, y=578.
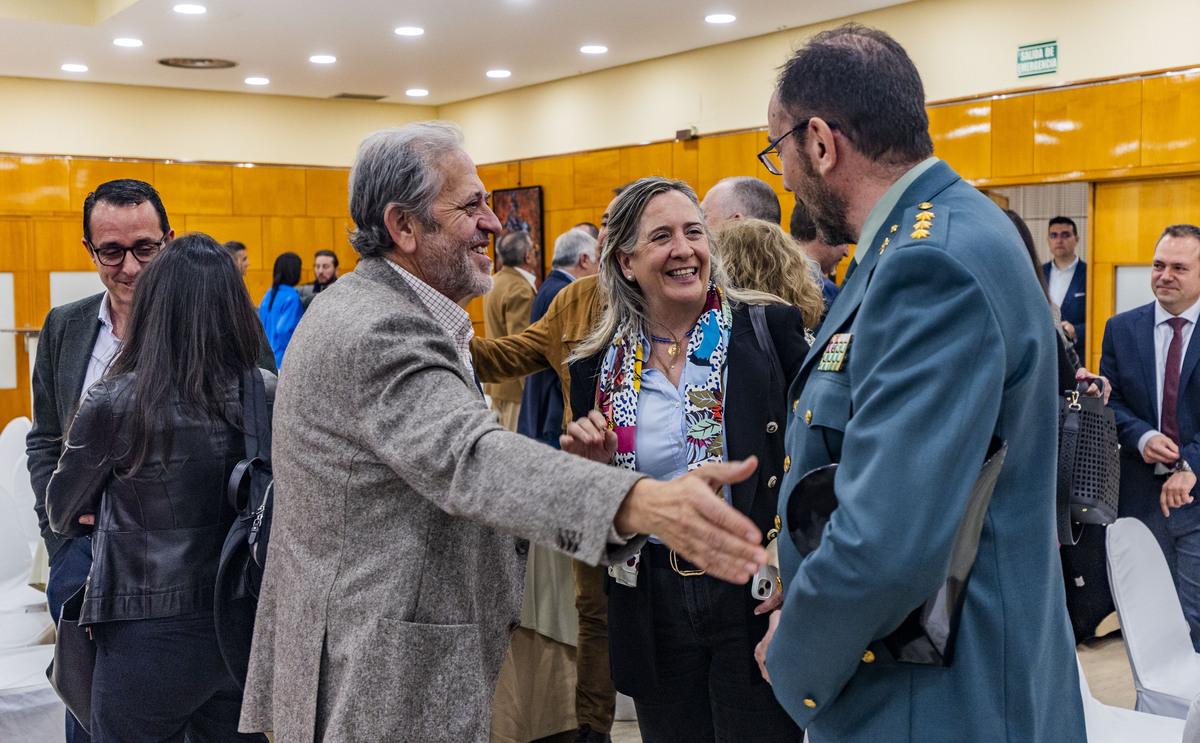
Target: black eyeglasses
x=115, y=256
x=772, y=159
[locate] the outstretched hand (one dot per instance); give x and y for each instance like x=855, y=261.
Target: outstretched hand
x=690, y=518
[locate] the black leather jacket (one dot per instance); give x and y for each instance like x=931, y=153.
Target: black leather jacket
x=158, y=535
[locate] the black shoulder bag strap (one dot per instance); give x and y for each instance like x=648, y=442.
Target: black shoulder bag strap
x=256, y=430
x=758, y=318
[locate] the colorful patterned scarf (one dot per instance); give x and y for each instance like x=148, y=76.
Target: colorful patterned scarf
x=621, y=381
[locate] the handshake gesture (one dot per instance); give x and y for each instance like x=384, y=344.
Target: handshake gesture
x=686, y=513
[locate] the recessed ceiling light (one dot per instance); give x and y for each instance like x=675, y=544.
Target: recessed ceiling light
x=189, y=9
x=416, y=92
x=720, y=18
x=410, y=31
x=257, y=81
x=498, y=73
x=594, y=49
x=322, y=59
x=74, y=68
x=129, y=43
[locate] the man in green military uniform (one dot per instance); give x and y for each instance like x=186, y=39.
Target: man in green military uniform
x=940, y=340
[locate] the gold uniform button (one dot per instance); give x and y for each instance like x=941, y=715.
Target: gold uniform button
x=772, y=427
x=925, y=205
x=795, y=404
x=868, y=657
x=808, y=416
x=894, y=228
x=787, y=463
x=810, y=703
x=772, y=482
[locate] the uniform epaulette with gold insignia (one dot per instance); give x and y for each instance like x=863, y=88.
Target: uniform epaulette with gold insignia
x=924, y=221
x=835, y=353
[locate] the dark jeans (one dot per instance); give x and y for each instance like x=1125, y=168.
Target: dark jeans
x=163, y=680
x=709, y=686
x=69, y=568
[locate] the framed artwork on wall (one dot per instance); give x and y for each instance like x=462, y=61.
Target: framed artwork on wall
x=520, y=210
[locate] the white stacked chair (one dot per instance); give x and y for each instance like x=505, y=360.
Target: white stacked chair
x=1106, y=724
x=29, y=709
x=1166, y=668
x=23, y=497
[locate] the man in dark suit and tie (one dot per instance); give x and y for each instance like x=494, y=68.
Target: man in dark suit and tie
x=1148, y=357
x=1066, y=276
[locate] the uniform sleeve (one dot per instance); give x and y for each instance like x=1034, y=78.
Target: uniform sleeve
x=926, y=367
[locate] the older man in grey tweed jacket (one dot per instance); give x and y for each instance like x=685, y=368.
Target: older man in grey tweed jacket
x=401, y=505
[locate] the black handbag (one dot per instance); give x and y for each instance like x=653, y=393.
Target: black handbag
x=1089, y=464
x=244, y=554
x=70, y=671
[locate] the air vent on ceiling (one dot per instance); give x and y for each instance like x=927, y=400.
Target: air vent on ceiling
x=358, y=97
x=198, y=63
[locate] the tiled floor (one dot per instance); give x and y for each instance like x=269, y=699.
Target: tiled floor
x=1104, y=663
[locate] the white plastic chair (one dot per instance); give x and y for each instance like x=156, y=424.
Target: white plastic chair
x=16, y=562
x=1106, y=724
x=29, y=708
x=1166, y=668
x=23, y=498
x=12, y=446
x=1191, y=728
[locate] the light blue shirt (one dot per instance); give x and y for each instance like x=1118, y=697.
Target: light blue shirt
x=661, y=437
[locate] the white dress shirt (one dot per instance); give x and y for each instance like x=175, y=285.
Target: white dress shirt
x=1162, y=344
x=106, y=349
x=1060, y=280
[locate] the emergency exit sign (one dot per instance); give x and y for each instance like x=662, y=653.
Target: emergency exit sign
x=1037, y=59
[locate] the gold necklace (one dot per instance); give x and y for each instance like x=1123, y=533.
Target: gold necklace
x=673, y=348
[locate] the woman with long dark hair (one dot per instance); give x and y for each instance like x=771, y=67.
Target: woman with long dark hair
x=144, y=471
x=281, y=307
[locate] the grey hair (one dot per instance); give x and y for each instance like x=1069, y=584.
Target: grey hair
x=512, y=248
x=570, y=245
x=1181, y=231
x=624, y=302
x=398, y=166
x=755, y=198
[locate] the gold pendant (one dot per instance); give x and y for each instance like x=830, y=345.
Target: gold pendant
x=673, y=349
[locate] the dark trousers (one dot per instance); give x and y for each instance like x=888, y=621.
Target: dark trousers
x=69, y=568
x=708, y=685
x=163, y=680
x=595, y=697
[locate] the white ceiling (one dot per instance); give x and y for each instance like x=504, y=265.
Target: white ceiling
x=538, y=40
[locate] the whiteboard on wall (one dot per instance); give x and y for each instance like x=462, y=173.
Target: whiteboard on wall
x=8, y=342
x=1133, y=287
x=70, y=286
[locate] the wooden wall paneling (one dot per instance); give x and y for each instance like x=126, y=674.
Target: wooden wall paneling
x=26, y=313
x=327, y=193
x=645, y=160
x=557, y=222
x=260, y=191
x=1088, y=129
x=962, y=136
x=87, y=175
x=1012, y=136
x=685, y=161
x=34, y=184
x=223, y=228
x=15, y=249
x=194, y=189
x=301, y=235
x=1103, y=300
x=556, y=176
x=1170, y=110
x=1130, y=216
x=596, y=175
x=503, y=175
x=258, y=283
x=725, y=156
x=57, y=244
